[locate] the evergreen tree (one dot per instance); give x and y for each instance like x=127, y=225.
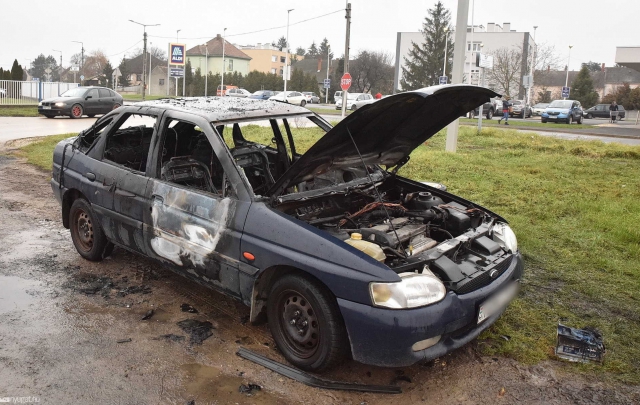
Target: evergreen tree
x=324, y=47
x=593, y=66
x=582, y=88
x=124, y=71
x=300, y=51
x=313, y=50
x=40, y=63
x=188, y=79
x=107, y=73
x=16, y=71
x=424, y=65
x=282, y=43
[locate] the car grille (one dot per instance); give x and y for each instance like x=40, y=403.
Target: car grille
x=553, y=113
x=483, y=277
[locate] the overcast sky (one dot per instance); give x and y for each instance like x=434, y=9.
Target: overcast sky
x=593, y=27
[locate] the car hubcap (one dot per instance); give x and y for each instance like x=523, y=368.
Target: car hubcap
x=84, y=230
x=299, y=324
x=76, y=111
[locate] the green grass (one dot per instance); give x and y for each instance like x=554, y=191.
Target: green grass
x=574, y=207
x=138, y=97
x=40, y=153
x=534, y=123
x=19, y=111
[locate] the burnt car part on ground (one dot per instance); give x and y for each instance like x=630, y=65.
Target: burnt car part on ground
x=340, y=255
x=75, y=103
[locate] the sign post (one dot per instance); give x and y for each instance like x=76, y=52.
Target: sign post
x=177, y=53
x=345, y=83
x=442, y=80
x=565, y=92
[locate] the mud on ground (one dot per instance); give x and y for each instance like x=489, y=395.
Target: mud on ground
x=72, y=331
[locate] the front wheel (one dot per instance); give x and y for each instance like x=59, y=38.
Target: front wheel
x=306, y=324
x=354, y=107
x=76, y=111
x=86, y=232
x=543, y=121
x=570, y=120
x=589, y=116
x=490, y=114
x=303, y=103
x=49, y=116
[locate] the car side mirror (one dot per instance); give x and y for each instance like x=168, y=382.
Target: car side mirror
x=88, y=97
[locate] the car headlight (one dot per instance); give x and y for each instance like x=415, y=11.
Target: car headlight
x=503, y=234
x=414, y=290
x=40, y=104
x=59, y=104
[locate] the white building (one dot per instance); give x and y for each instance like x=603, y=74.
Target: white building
x=489, y=39
x=628, y=56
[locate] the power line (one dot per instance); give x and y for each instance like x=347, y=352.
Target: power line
x=108, y=56
x=262, y=30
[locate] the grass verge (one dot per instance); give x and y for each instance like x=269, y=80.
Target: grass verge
x=40, y=153
x=522, y=123
x=19, y=111
x=574, y=207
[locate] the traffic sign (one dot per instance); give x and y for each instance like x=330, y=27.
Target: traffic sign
x=81, y=77
x=565, y=91
x=443, y=80
x=345, y=81
x=177, y=72
x=526, y=81
x=327, y=83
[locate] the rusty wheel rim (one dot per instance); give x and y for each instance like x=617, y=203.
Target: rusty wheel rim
x=84, y=230
x=299, y=324
x=76, y=110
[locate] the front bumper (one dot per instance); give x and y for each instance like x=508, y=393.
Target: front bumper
x=65, y=110
x=559, y=117
x=384, y=337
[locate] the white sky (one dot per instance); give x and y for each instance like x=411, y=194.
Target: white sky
x=593, y=27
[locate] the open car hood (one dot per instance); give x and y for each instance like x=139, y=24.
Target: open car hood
x=386, y=131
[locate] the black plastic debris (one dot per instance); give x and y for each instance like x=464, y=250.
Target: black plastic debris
x=188, y=308
x=582, y=345
x=148, y=315
x=248, y=388
x=197, y=330
x=170, y=337
x=127, y=340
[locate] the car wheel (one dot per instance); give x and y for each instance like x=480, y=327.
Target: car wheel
x=76, y=111
x=306, y=324
x=354, y=107
x=303, y=103
x=589, y=116
x=580, y=120
x=543, y=121
x=86, y=232
x=490, y=114
x=116, y=105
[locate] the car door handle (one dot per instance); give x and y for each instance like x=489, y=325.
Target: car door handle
x=90, y=176
x=124, y=193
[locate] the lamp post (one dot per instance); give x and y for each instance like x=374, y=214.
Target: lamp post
x=446, y=44
x=206, y=68
x=81, y=59
x=326, y=91
x=224, y=35
x=286, y=60
x=55, y=50
x=149, y=91
x=144, y=55
x=566, y=80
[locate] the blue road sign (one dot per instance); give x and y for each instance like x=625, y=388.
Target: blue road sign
x=565, y=91
x=443, y=80
x=327, y=83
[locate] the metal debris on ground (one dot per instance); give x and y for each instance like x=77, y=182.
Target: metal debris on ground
x=188, y=308
x=198, y=330
x=148, y=315
x=124, y=340
x=248, y=388
x=582, y=345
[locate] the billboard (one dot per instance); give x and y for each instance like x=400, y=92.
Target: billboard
x=177, y=54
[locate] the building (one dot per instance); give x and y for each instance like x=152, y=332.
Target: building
x=265, y=58
x=628, y=56
x=208, y=57
x=158, y=83
x=134, y=66
x=479, y=39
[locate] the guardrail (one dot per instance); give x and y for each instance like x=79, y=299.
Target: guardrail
x=14, y=92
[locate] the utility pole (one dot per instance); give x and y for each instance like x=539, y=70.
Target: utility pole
x=458, y=67
x=55, y=50
x=224, y=35
x=326, y=91
x=566, y=80
x=206, y=68
x=286, y=60
x=346, y=55
x=81, y=59
x=144, y=56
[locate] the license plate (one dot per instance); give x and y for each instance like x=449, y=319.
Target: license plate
x=46, y=107
x=497, y=302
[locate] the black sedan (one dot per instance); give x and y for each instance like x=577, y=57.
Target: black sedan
x=602, y=111
x=80, y=101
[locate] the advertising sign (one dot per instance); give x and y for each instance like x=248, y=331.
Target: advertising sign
x=565, y=91
x=442, y=80
x=177, y=72
x=177, y=54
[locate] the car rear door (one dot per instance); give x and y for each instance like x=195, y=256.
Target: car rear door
x=107, y=100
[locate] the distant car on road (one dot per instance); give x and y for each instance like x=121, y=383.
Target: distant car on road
x=539, y=108
x=311, y=97
x=364, y=100
x=488, y=109
x=75, y=103
x=337, y=95
x=352, y=98
x=227, y=87
x=520, y=109
x=602, y=111
x=262, y=94
x=238, y=93
x=3, y=93
x=292, y=97
x=566, y=111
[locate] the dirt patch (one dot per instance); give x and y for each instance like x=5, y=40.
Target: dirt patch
x=198, y=331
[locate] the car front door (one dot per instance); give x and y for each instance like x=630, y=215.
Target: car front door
x=196, y=218
x=92, y=102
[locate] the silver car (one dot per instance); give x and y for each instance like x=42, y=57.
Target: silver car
x=539, y=108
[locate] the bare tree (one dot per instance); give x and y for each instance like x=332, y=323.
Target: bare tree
x=372, y=70
x=505, y=75
x=153, y=50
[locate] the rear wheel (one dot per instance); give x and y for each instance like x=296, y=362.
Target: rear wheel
x=354, y=107
x=570, y=120
x=86, y=232
x=306, y=324
x=76, y=111
x=490, y=114
x=589, y=116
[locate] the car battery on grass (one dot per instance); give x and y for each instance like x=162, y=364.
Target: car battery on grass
x=580, y=345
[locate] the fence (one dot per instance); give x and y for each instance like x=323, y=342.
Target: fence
x=14, y=92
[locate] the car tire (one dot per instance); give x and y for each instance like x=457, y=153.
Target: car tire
x=49, y=115
x=589, y=116
x=354, y=107
x=543, y=121
x=76, y=111
x=86, y=232
x=303, y=103
x=306, y=323
x=490, y=114
x=570, y=120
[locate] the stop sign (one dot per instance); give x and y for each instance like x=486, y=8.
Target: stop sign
x=345, y=82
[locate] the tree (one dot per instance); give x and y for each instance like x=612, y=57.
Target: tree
x=324, y=47
x=582, y=88
x=621, y=96
x=300, y=51
x=39, y=66
x=124, y=71
x=16, y=71
x=424, y=64
x=94, y=63
x=107, y=73
x=282, y=43
x=372, y=70
x=157, y=52
x=505, y=75
x=313, y=50
x=592, y=66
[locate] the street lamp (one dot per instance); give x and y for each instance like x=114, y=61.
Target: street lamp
x=286, y=60
x=81, y=60
x=144, y=55
x=150, y=43
x=55, y=50
x=206, y=68
x=224, y=35
x=446, y=43
x=326, y=91
x=566, y=80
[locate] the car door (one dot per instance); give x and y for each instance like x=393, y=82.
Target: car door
x=92, y=102
x=107, y=100
x=195, y=225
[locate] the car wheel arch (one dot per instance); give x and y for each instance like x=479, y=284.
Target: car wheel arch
x=67, y=201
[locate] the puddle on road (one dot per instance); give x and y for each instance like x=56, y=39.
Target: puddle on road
x=209, y=385
x=17, y=294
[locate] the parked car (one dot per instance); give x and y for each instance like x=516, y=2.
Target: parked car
x=520, y=109
x=262, y=94
x=300, y=239
x=488, y=109
x=336, y=96
x=352, y=98
x=539, y=108
x=238, y=93
x=602, y=111
x=75, y=103
x=364, y=100
x=223, y=92
x=312, y=98
x=292, y=97
x=563, y=111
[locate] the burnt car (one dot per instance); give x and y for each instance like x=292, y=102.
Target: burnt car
x=75, y=103
x=336, y=251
